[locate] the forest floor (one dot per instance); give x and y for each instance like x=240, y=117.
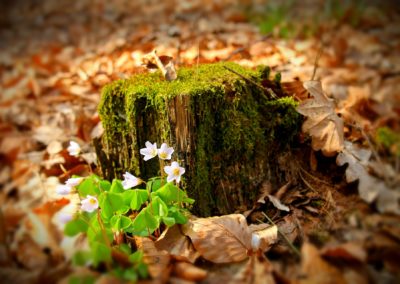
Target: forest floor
x=55, y=56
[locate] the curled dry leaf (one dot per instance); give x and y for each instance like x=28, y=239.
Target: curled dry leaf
x=322, y=123
x=163, y=62
x=221, y=239
x=267, y=234
x=177, y=244
x=277, y=203
x=370, y=188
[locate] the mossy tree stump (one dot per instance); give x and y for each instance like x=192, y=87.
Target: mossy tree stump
x=225, y=132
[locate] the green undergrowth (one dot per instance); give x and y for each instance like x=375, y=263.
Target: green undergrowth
x=223, y=127
x=292, y=19
x=388, y=139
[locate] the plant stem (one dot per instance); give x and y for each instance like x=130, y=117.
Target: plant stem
x=162, y=171
x=103, y=232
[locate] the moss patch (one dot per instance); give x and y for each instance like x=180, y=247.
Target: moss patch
x=225, y=132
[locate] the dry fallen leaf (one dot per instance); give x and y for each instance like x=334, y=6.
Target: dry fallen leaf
x=267, y=234
x=177, y=244
x=277, y=203
x=220, y=239
x=370, y=188
x=157, y=261
x=317, y=270
x=322, y=123
x=350, y=251
x=257, y=270
x=189, y=272
x=164, y=63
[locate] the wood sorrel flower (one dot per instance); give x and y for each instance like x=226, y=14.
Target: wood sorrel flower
x=150, y=151
x=64, y=217
x=73, y=181
x=89, y=204
x=63, y=189
x=165, y=152
x=174, y=172
x=130, y=181
x=74, y=149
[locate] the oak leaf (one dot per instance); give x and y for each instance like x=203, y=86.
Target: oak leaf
x=221, y=239
x=370, y=188
x=322, y=123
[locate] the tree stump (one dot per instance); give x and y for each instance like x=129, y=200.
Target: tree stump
x=225, y=131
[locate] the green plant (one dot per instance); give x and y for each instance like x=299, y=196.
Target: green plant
x=388, y=139
x=111, y=212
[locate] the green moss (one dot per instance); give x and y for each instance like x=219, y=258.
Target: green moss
x=389, y=140
x=222, y=128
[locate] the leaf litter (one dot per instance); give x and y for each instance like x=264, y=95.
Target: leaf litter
x=50, y=83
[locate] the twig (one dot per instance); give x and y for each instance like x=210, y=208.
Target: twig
x=269, y=91
x=295, y=250
x=316, y=62
x=313, y=177
x=306, y=182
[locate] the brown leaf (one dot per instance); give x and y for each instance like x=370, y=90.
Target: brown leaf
x=164, y=63
x=350, y=251
x=157, y=261
x=177, y=244
x=317, y=270
x=267, y=234
x=370, y=188
x=295, y=89
x=189, y=272
x=277, y=203
x=322, y=123
x=220, y=239
x=257, y=270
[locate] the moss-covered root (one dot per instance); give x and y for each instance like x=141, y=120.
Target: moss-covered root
x=225, y=132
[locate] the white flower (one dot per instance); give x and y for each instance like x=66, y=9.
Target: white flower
x=150, y=151
x=130, y=181
x=165, y=152
x=89, y=204
x=63, y=189
x=74, y=149
x=73, y=181
x=64, y=217
x=174, y=172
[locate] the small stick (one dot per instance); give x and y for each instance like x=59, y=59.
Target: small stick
x=296, y=251
x=316, y=62
x=270, y=92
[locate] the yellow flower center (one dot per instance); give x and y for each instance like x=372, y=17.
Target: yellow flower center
x=175, y=172
x=92, y=201
x=163, y=155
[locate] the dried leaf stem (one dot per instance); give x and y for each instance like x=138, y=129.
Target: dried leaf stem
x=295, y=250
x=269, y=91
